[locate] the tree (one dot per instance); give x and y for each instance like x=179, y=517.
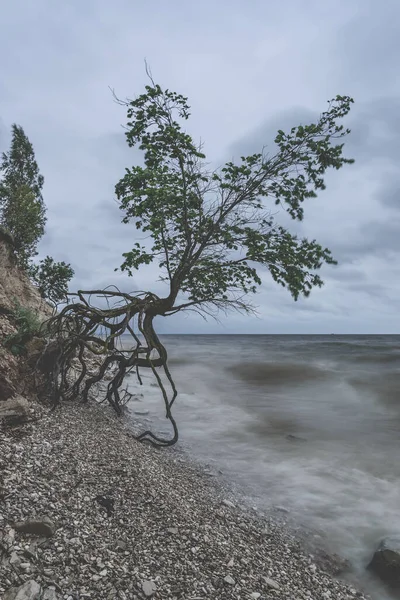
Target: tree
x=22, y=210
x=23, y=214
x=210, y=232
x=52, y=279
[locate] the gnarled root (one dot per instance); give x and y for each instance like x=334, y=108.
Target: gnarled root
x=86, y=350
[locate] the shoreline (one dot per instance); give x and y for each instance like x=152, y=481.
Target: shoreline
x=175, y=533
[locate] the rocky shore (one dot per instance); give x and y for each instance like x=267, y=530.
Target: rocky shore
x=88, y=512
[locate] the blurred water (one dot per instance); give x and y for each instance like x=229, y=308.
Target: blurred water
x=310, y=423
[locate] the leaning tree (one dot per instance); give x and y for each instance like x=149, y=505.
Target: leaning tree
x=208, y=230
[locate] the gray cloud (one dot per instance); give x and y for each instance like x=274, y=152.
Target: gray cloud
x=247, y=72
x=389, y=194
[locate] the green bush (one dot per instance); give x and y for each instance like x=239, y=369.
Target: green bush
x=28, y=325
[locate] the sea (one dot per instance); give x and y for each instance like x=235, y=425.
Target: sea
x=308, y=425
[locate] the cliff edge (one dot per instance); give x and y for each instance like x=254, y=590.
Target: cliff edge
x=15, y=289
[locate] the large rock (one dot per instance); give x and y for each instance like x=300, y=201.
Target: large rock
x=386, y=561
x=14, y=407
x=30, y=590
x=43, y=527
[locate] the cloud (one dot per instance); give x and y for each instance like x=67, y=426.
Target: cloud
x=247, y=71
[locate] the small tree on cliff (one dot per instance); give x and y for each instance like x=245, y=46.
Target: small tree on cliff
x=210, y=231
x=52, y=279
x=22, y=209
x=23, y=214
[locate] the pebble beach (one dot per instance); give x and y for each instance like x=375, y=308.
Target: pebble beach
x=128, y=521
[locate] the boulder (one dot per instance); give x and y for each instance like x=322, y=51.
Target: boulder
x=386, y=561
x=43, y=527
x=30, y=590
x=17, y=406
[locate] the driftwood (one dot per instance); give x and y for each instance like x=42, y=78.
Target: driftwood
x=82, y=331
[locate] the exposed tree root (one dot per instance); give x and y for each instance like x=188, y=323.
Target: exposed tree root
x=86, y=349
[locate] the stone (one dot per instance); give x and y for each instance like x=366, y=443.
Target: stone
x=50, y=594
x=43, y=527
x=30, y=590
x=386, y=561
x=17, y=406
x=149, y=588
x=228, y=503
x=282, y=509
x=15, y=559
x=141, y=412
x=229, y=580
x=271, y=583
x=173, y=530
x=120, y=546
x=255, y=595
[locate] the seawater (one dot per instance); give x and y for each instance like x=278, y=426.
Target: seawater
x=308, y=423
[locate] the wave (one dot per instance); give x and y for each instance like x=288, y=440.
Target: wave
x=384, y=358
x=385, y=389
x=278, y=373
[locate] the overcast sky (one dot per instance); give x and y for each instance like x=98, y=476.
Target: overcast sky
x=248, y=70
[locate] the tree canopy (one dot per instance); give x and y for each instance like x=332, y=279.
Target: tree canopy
x=211, y=230
x=22, y=209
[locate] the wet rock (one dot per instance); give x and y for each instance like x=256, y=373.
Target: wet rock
x=386, y=561
x=17, y=406
x=282, y=509
x=30, y=590
x=43, y=527
x=149, y=588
